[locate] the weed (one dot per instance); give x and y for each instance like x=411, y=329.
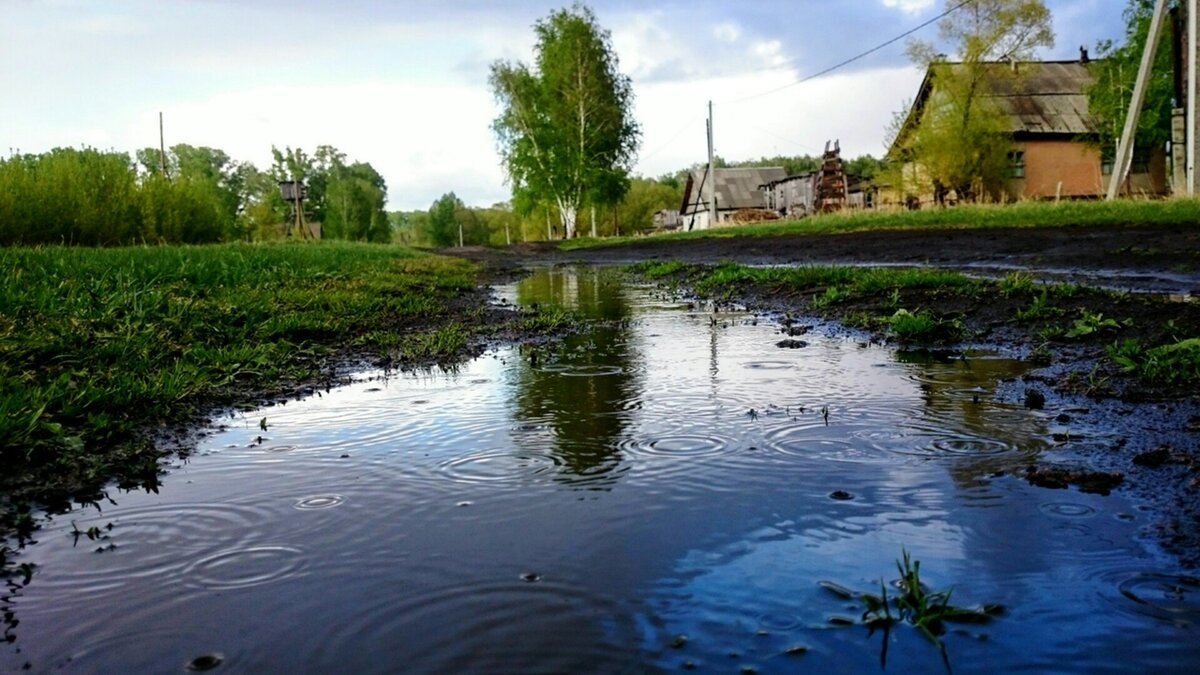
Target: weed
x=1016, y=283
x=923, y=326
x=1039, y=308
x=832, y=296
x=893, y=299
x=1089, y=323
x=1177, y=363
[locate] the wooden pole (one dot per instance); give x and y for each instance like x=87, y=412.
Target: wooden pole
x=162, y=148
x=712, y=176
x=1125, y=147
x=1190, y=133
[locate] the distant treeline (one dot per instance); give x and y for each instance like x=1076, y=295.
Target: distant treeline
x=189, y=195
x=197, y=195
x=502, y=223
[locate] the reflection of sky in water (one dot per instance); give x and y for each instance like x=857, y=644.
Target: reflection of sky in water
x=576, y=514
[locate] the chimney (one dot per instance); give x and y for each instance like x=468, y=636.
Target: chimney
x=1083, y=55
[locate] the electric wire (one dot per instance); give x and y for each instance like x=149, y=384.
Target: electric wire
x=852, y=59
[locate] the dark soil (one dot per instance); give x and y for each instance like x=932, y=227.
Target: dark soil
x=1143, y=258
x=1151, y=452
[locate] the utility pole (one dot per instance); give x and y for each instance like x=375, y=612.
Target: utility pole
x=712, y=176
x=162, y=148
x=1125, y=147
x=1190, y=136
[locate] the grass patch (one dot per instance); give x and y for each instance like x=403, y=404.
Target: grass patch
x=95, y=344
x=1176, y=212
x=922, y=326
x=1174, y=364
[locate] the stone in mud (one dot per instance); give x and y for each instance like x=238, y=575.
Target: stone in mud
x=1097, y=482
x=1153, y=458
x=791, y=344
x=1034, y=399
x=794, y=331
x=840, y=495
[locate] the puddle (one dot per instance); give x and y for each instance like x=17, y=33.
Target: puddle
x=663, y=492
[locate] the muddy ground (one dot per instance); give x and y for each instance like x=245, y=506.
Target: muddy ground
x=1149, y=446
x=1145, y=258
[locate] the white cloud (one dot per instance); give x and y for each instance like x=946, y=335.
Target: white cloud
x=727, y=31
x=909, y=6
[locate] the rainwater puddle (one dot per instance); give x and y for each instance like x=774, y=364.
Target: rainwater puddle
x=666, y=492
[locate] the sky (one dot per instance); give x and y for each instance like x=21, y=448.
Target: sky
x=402, y=84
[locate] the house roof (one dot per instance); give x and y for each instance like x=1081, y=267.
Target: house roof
x=1049, y=97
x=736, y=188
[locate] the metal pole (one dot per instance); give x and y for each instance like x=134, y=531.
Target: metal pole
x=1190, y=134
x=1125, y=147
x=712, y=176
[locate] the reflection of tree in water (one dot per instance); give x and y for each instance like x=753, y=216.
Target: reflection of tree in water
x=959, y=400
x=582, y=393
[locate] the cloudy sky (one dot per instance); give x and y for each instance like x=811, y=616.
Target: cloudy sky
x=402, y=84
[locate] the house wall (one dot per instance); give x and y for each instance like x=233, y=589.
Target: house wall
x=1077, y=166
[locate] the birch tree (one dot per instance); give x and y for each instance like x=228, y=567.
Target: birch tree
x=565, y=131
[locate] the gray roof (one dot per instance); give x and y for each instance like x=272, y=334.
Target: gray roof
x=736, y=188
x=1051, y=98
x=1048, y=97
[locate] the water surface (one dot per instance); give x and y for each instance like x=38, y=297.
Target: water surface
x=657, y=494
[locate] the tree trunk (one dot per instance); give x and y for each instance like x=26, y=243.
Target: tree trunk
x=593, y=221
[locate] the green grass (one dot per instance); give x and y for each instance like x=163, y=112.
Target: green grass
x=95, y=344
x=1181, y=212
x=1177, y=363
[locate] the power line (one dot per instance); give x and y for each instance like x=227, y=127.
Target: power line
x=854, y=58
x=687, y=127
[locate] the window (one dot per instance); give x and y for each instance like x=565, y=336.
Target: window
x=1139, y=164
x=1016, y=164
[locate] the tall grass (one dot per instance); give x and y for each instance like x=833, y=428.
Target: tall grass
x=94, y=198
x=96, y=343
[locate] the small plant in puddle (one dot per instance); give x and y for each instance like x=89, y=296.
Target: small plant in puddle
x=893, y=299
x=914, y=604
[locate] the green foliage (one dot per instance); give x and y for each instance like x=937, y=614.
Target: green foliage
x=98, y=343
x=1089, y=323
x=959, y=135
x=1177, y=363
x=657, y=269
x=1115, y=73
x=924, y=327
x=1039, y=308
x=566, y=132
x=443, y=220
x=346, y=198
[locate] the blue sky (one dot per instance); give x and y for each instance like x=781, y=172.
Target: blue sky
x=403, y=84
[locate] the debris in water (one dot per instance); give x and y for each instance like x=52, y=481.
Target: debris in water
x=206, y=662
x=840, y=495
x=531, y=577
x=791, y=344
x=1034, y=399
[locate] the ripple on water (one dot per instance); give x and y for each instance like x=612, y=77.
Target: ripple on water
x=514, y=626
x=491, y=467
x=1067, y=509
x=246, y=567
x=153, y=541
x=1174, y=598
x=318, y=502
x=127, y=649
